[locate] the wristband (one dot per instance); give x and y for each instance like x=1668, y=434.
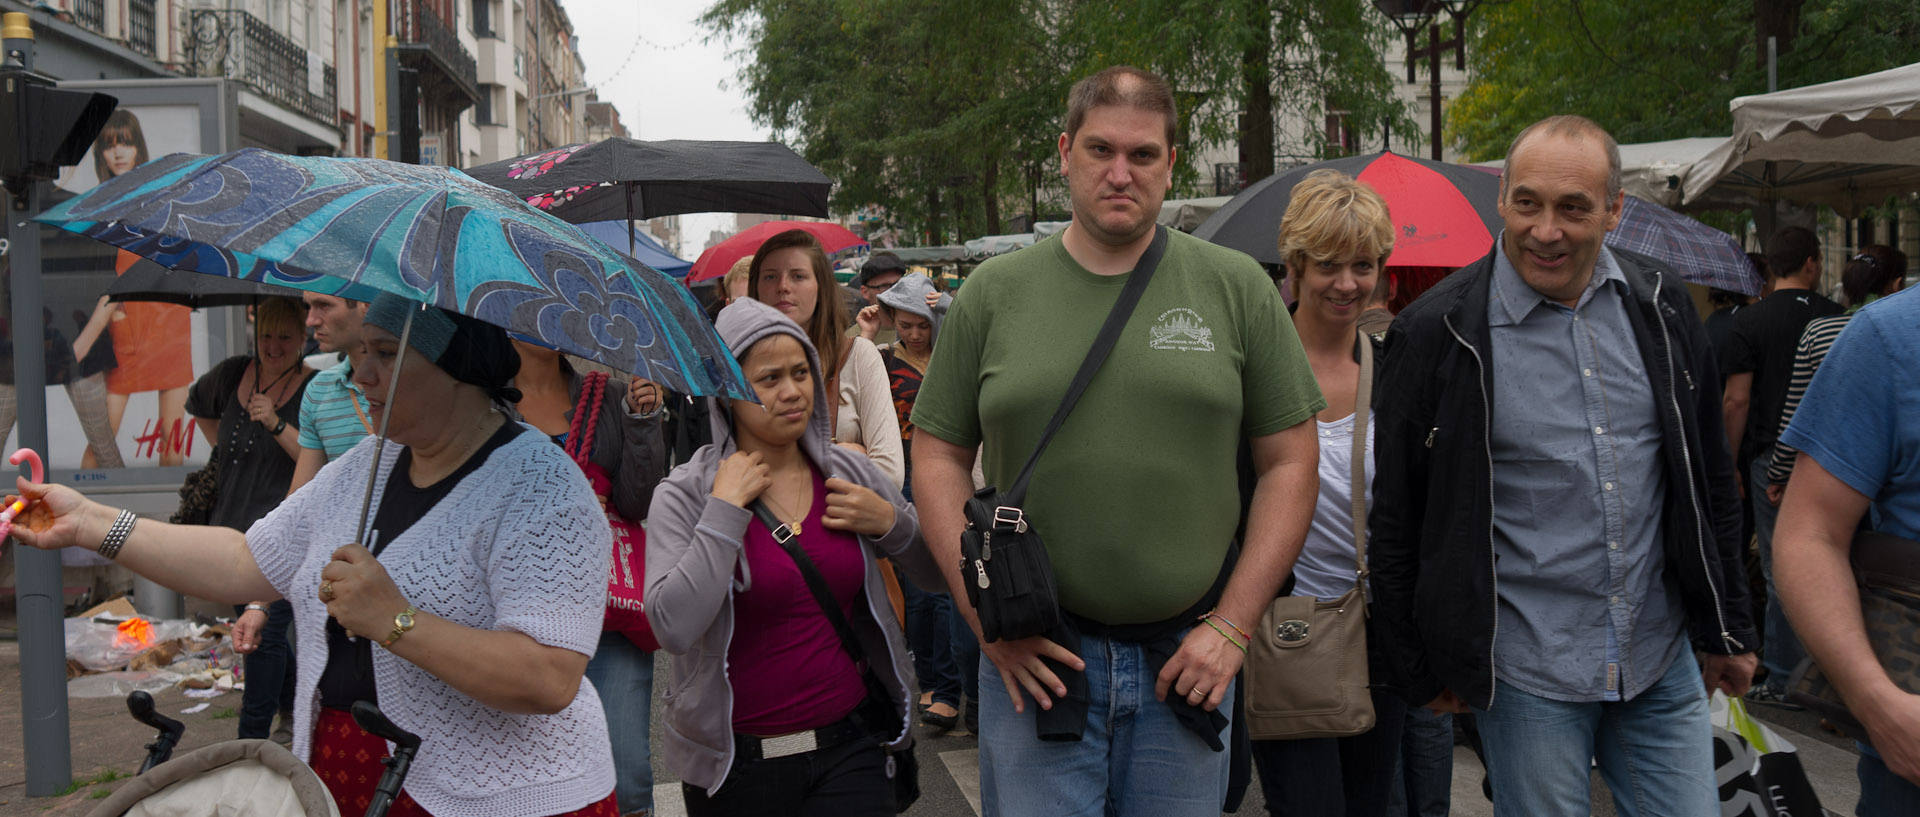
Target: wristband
x=1223, y=634
x=281, y=427
x=256, y=607
x=117, y=535
x=1236, y=627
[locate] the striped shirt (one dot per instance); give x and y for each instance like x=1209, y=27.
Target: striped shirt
x=1814, y=344
x=333, y=415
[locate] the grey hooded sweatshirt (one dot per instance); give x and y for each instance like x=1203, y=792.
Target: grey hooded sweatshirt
x=694, y=542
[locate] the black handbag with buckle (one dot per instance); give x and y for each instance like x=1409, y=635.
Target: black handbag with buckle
x=1008, y=576
x=872, y=715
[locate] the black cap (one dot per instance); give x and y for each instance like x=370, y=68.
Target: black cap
x=879, y=263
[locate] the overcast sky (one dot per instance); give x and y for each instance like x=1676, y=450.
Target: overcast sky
x=651, y=60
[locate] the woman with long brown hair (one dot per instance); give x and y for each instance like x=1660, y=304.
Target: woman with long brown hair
x=791, y=274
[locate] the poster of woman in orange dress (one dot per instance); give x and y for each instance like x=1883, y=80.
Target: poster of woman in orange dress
x=153, y=342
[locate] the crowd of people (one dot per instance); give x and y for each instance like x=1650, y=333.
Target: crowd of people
x=1538, y=480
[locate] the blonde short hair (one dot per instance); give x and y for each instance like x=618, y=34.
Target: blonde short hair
x=1333, y=215
x=740, y=271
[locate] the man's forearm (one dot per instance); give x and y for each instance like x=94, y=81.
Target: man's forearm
x=1283, y=502
x=942, y=483
x=1816, y=582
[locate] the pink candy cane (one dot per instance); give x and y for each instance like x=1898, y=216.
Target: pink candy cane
x=39, y=476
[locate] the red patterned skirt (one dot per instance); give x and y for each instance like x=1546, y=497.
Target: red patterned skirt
x=347, y=759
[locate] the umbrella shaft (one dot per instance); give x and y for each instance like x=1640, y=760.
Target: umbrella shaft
x=380, y=442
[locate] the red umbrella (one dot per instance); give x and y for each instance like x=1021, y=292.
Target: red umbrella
x=1443, y=214
x=720, y=257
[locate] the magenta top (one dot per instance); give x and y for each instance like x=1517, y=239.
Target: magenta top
x=787, y=666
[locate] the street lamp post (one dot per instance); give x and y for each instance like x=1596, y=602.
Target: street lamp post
x=1409, y=16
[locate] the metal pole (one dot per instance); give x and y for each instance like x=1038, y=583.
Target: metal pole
x=43, y=649
x=1433, y=57
x=1773, y=64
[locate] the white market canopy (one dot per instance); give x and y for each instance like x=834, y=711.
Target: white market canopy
x=1657, y=171
x=1847, y=144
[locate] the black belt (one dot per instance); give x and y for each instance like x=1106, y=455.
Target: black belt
x=752, y=747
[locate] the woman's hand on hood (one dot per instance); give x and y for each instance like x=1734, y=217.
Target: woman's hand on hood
x=856, y=509
x=741, y=479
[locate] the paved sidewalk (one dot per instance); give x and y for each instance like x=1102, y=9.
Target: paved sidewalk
x=106, y=741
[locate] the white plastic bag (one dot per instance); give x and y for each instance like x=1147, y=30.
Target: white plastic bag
x=1758, y=771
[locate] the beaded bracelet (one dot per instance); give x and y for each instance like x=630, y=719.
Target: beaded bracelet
x=1223, y=634
x=117, y=534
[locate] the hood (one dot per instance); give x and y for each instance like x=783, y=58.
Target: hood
x=910, y=295
x=744, y=323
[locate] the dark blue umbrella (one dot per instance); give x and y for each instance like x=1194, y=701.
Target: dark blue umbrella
x=354, y=227
x=645, y=249
x=1701, y=254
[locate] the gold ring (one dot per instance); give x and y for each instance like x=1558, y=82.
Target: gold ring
x=326, y=591
x=1197, y=691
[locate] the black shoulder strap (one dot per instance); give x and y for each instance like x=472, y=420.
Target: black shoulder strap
x=1102, y=345
x=815, y=582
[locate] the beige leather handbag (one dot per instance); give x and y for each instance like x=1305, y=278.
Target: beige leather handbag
x=1306, y=671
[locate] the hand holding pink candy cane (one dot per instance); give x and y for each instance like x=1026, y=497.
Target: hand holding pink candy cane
x=13, y=509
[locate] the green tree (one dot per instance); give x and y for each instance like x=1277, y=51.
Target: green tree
x=1649, y=70
x=941, y=117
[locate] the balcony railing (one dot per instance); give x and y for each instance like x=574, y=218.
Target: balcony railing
x=140, y=26
x=421, y=27
x=91, y=14
x=240, y=46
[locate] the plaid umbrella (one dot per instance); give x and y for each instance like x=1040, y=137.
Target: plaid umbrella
x=1701, y=254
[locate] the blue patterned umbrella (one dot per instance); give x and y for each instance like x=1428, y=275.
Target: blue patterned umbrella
x=1701, y=254
x=351, y=227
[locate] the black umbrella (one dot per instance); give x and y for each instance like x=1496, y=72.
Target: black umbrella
x=629, y=179
x=148, y=281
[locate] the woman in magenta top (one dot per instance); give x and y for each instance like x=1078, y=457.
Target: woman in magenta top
x=766, y=710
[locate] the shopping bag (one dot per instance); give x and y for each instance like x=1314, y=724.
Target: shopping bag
x=1758, y=772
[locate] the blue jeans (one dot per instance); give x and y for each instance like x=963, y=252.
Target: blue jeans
x=929, y=635
x=1423, y=780
x=1883, y=793
x=1781, y=651
x=623, y=676
x=1655, y=751
x=269, y=673
x=1134, y=760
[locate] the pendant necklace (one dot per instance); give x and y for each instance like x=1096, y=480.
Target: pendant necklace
x=794, y=525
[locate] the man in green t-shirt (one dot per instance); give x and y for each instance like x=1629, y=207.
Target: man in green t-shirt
x=1138, y=494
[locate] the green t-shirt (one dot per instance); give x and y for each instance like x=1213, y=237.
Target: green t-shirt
x=1137, y=497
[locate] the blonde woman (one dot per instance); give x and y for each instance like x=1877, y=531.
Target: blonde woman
x=1334, y=240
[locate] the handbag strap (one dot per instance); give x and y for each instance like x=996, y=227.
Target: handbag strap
x=1102, y=344
x=586, y=417
x=816, y=583
x=1361, y=403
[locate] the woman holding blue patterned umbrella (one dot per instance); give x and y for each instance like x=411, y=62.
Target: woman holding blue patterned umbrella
x=448, y=630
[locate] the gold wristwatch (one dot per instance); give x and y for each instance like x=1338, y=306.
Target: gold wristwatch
x=401, y=624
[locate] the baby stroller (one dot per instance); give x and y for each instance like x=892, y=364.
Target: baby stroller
x=250, y=777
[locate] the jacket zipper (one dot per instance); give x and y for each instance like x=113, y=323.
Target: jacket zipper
x=1686, y=458
x=1486, y=439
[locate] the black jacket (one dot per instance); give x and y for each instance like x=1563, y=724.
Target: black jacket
x=1432, y=516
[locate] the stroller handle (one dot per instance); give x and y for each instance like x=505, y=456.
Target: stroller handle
x=406, y=744
x=140, y=705
x=368, y=715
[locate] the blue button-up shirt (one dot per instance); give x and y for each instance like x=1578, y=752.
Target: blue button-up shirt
x=1578, y=488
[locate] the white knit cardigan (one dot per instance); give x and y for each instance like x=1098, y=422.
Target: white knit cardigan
x=520, y=544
